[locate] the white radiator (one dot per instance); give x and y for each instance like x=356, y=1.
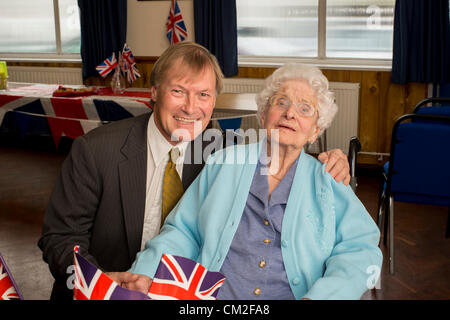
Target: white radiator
x=48, y=75
x=343, y=127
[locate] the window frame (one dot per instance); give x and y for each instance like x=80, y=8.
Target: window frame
x=321, y=60
x=59, y=56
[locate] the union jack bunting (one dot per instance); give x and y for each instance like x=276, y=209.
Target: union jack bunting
x=107, y=66
x=92, y=284
x=176, y=29
x=179, y=278
x=8, y=289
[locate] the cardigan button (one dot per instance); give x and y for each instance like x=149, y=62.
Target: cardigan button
x=296, y=281
x=284, y=243
x=262, y=263
x=257, y=291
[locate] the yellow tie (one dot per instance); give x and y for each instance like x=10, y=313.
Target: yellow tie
x=172, y=186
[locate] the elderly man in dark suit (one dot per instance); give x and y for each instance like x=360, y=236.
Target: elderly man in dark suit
x=110, y=195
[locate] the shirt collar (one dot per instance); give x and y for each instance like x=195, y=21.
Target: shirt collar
x=159, y=145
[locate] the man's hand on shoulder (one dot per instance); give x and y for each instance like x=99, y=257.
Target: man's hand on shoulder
x=336, y=165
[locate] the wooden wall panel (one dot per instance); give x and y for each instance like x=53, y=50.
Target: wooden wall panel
x=381, y=102
x=369, y=107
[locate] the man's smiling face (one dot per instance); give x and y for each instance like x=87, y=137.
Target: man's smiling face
x=183, y=101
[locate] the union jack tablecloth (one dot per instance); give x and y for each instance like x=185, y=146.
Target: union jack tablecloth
x=27, y=106
x=32, y=109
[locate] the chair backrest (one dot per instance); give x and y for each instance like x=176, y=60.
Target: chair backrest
x=435, y=102
x=441, y=110
x=439, y=106
x=353, y=149
x=419, y=169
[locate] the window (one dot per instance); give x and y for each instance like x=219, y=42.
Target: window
x=40, y=27
x=315, y=29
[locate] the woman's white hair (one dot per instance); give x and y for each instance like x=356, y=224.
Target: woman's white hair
x=327, y=107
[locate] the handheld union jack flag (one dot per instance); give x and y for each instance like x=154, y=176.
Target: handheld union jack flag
x=92, y=284
x=107, y=66
x=8, y=288
x=176, y=278
x=180, y=278
x=176, y=29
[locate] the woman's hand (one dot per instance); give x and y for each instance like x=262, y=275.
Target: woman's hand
x=132, y=281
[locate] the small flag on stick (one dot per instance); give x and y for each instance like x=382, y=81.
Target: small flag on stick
x=107, y=65
x=129, y=65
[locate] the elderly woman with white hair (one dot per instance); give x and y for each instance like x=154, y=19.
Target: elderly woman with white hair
x=279, y=227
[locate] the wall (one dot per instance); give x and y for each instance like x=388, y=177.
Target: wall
x=146, y=25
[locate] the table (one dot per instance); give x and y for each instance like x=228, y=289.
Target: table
x=239, y=102
x=27, y=108
x=31, y=109
x=236, y=110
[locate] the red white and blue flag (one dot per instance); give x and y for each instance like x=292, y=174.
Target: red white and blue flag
x=176, y=278
x=176, y=29
x=8, y=288
x=127, y=55
x=92, y=284
x=129, y=65
x=132, y=73
x=107, y=65
x=179, y=278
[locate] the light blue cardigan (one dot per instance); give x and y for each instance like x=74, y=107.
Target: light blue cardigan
x=329, y=241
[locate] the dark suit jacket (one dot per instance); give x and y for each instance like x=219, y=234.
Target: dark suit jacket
x=99, y=200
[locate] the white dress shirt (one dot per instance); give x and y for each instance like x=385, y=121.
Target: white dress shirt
x=157, y=157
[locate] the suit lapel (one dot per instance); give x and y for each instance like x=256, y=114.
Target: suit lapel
x=133, y=175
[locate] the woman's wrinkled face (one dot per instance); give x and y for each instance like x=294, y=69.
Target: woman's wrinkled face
x=293, y=113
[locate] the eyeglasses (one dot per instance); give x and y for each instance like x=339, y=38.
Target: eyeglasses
x=304, y=109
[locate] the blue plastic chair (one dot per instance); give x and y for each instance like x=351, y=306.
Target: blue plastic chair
x=418, y=170
x=440, y=106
